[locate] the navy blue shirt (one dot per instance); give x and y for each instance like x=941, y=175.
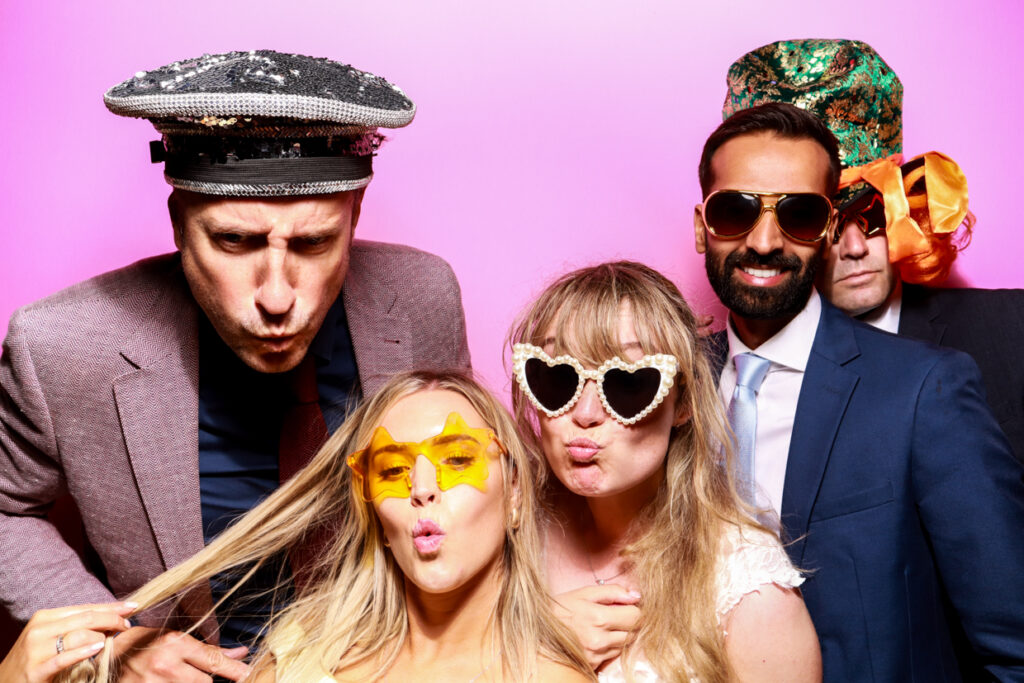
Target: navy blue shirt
x=240, y=416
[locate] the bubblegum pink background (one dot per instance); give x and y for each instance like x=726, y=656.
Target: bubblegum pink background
x=549, y=135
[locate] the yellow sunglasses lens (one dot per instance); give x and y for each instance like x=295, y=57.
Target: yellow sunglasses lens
x=459, y=454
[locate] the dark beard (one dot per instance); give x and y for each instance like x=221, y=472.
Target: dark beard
x=762, y=303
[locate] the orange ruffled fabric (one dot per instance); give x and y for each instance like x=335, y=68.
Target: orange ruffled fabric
x=946, y=199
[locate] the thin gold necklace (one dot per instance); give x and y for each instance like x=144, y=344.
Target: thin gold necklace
x=482, y=671
x=601, y=582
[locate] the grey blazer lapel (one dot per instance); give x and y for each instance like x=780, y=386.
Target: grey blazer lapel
x=824, y=395
x=157, y=402
x=381, y=337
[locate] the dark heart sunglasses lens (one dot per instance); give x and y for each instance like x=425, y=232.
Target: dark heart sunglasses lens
x=731, y=213
x=628, y=393
x=803, y=216
x=553, y=386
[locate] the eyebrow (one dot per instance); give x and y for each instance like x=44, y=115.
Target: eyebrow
x=631, y=345
x=405, y=446
x=215, y=226
x=453, y=438
x=392, y=448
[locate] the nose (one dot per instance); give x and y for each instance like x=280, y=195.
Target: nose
x=588, y=411
x=275, y=293
x=852, y=243
x=423, y=480
x=766, y=236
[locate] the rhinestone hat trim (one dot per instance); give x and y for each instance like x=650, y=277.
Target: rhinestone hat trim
x=664, y=363
x=275, y=190
x=257, y=128
x=303, y=107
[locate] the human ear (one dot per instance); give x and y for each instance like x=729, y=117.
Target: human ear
x=683, y=415
x=357, y=204
x=174, y=209
x=515, y=500
x=699, y=231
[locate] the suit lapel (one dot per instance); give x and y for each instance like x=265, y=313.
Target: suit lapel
x=824, y=395
x=716, y=346
x=920, y=316
x=381, y=335
x=157, y=402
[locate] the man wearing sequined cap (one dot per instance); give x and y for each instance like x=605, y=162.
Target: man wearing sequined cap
x=170, y=396
x=901, y=224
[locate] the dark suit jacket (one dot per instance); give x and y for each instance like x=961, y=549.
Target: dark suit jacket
x=901, y=493
x=988, y=324
x=99, y=397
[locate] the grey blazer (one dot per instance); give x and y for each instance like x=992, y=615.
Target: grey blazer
x=99, y=398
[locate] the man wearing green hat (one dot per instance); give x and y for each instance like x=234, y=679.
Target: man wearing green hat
x=875, y=455
x=901, y=224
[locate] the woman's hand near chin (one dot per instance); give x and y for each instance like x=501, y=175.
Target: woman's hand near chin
x=770, y=637
x=602, y=617
x=80, y=630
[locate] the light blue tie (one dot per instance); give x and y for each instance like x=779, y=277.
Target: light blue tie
x=750, y=372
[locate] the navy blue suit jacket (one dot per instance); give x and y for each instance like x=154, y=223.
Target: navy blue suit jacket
x=902, y=496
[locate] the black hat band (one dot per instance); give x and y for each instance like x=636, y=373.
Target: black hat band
x=270, y=171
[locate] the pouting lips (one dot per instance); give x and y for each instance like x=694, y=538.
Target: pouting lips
x=427, y=535
x=582, y=450
x=427, y=527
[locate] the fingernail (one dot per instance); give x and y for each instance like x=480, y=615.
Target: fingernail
x=635, y=594
x=131, y=605
x=127, y=624
x=96, y=646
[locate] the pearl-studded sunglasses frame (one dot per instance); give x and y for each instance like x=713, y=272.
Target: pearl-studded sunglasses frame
x=666, y=365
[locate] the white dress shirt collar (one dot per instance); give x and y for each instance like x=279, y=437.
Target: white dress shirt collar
x=788, y=350
x=790, y=346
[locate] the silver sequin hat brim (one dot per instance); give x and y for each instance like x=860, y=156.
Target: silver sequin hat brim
x=275, y=190
x=304, y=107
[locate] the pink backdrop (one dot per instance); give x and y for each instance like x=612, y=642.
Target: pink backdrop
x=549, y=135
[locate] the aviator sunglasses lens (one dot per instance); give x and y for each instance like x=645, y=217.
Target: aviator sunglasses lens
x=628, y=393
x=730, y=214
x=803, y=216
x=552, y=386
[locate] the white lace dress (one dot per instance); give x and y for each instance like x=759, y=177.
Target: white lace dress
x=746, y=563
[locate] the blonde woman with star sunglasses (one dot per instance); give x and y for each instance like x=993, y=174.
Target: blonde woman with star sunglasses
x=425, y=507
x=650, y=553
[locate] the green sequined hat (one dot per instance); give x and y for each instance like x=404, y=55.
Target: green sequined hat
x=843, y=82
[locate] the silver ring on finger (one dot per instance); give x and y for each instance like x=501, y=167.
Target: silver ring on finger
x=60, y=643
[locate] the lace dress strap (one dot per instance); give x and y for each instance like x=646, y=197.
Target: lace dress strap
x=750, y=559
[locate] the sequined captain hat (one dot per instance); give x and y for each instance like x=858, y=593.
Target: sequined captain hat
x=262, y=123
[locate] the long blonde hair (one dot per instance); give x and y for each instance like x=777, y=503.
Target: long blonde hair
x=352, y=612
x=675, y=544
